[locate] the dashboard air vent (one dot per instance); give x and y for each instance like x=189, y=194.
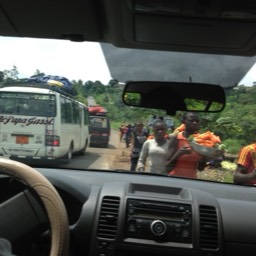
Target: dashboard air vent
x=208, y=227
x=108, y=218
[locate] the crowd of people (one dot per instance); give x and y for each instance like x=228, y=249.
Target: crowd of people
x=158, y=151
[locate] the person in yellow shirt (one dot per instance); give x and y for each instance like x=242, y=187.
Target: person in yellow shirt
x=246, y=166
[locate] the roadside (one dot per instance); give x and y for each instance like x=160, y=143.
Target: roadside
x=221, y=174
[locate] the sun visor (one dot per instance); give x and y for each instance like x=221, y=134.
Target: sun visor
x=138, y=65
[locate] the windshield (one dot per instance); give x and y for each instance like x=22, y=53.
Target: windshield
x=100, y=122
x=65, y=127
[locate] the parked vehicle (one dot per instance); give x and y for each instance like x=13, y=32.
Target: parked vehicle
x=99, y=127
x=40, y=123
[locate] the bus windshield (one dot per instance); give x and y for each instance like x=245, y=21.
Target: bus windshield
x=29, y=104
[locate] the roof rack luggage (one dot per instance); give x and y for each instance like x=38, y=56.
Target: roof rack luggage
x=58, y=83
x=97, y=110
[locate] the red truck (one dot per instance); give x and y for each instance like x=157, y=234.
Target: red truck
x=99, y=128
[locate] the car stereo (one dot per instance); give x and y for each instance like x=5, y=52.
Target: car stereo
x=159, y=221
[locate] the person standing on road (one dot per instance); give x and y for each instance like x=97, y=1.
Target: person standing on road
x=128, y=135
x=138, y=137
x=122, y=130
x=181, y=160
x=154, y=150
x=246, y=166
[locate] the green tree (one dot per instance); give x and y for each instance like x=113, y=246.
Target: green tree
x=11, y=75
x=1, y=76
x=38, y=73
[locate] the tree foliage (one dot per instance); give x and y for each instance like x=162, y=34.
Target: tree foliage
x=236, y=124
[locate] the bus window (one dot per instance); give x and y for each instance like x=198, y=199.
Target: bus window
x=86, y=116
x=66, y=111
x=75, y=113
x=29, y=104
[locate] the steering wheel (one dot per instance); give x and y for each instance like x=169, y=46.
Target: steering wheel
x=53, y=203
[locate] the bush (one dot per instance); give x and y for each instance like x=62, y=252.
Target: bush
x=233, y=145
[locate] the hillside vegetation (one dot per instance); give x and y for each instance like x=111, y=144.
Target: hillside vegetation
x=236, y=125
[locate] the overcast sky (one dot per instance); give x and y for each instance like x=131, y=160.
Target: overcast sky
x=86, y=61
x=72, y=60
x=250, y=77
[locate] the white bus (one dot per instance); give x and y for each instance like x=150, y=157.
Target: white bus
x=39, y=123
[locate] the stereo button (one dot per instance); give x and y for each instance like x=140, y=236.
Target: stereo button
x=185, y=233
x=158, y=228
x=132, y=228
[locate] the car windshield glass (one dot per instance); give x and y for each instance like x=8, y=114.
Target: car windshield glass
x=82, y=91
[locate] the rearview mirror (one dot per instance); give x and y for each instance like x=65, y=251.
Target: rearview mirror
x=172, y=96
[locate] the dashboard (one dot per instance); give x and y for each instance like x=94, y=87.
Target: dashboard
x=128, y=214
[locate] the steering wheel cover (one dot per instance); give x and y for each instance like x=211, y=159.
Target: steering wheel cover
x=53, y=203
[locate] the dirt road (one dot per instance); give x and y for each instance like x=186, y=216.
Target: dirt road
x=122, y=160
x=116, y=156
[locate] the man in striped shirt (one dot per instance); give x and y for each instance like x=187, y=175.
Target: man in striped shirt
x=246, y=166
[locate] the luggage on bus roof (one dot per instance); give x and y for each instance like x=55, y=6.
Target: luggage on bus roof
x=61, y=83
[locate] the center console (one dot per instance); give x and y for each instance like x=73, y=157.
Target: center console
x=159, y=221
